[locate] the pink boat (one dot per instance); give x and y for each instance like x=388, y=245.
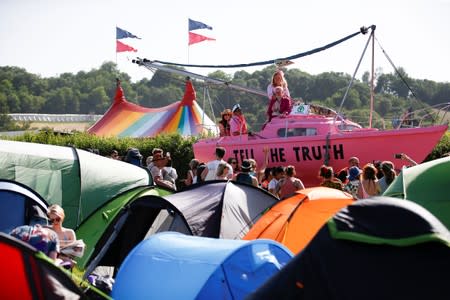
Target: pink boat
x=312, y=136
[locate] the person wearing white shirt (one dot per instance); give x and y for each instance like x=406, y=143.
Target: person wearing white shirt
x=209, y=173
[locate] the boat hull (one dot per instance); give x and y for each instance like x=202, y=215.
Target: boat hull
x=308, y=153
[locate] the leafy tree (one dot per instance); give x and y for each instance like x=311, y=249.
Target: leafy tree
x=442, y=93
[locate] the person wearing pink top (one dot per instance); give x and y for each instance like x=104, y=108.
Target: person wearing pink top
x=238, y=125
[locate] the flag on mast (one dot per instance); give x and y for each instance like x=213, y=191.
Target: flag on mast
x=122, y=34
x=197, y=38
x=193, y=25
x=121, y=47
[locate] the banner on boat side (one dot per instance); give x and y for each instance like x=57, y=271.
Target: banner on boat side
x=296, y=153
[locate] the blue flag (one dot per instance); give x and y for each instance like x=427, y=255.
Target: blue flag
x=193, y=25
x=121, y=34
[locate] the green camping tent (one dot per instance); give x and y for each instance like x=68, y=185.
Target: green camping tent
x=78, y=180
x=116, y=227
x=426, y=184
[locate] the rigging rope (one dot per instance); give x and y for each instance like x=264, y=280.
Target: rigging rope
x=396, y=70
x=362, y=30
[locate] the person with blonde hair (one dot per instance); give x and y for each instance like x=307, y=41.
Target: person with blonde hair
x=70, y=247
x=191, y=177
x=56, y=217
x=278, y=80
x=222, y=171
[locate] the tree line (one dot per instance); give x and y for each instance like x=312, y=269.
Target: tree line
x=92, y=92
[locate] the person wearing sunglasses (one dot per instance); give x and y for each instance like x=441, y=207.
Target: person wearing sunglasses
x=56, y=217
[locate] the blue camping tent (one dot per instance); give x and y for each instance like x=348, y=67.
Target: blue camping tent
x=172, y=265
x=19, y=205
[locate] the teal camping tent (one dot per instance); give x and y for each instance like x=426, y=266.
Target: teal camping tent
x=172, y=265
x=426, y=184
x=78, y=180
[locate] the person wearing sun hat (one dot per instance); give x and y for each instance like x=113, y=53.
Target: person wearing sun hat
x=353, y=183
x=238, y=125
x=224, y=123
x=244, y=176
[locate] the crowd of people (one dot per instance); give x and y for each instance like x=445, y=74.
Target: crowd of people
x=371, y=179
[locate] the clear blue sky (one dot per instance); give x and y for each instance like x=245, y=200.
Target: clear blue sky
x=50, y=37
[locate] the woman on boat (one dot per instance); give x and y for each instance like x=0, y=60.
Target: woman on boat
x=280, y=104
x=278, y=80
x=238, y=124
x=224, y=123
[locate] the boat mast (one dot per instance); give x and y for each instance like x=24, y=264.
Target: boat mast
x=372, y=79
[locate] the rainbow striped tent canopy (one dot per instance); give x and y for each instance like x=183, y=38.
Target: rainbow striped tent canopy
x=125, y=119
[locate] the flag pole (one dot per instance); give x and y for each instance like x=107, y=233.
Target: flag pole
x=188, y=44
x=116, y=49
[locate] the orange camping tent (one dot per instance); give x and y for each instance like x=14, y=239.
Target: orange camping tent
x=295, y=220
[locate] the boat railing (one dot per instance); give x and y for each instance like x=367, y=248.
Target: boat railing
x=435, y=114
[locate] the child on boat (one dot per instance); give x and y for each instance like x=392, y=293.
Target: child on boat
x=280, y=104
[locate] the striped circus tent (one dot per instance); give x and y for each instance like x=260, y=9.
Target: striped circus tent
x=126, y=119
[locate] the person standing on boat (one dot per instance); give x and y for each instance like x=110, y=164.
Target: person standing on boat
x=280, y=105
x=278, y=80
x=238, y=125
x=224, y=123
